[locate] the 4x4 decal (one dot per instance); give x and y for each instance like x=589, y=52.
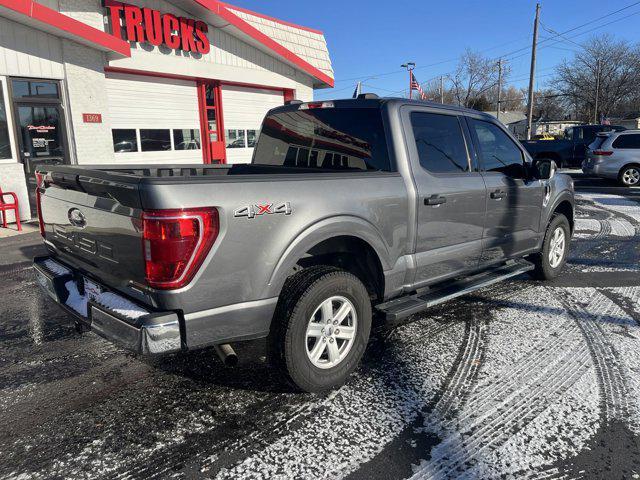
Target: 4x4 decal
x=251, y=211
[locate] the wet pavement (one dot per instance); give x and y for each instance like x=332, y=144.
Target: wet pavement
x=520, y=380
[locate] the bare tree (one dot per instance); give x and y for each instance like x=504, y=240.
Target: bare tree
x=512, y=99
x=615, y=64
x=548, y=104
x=431, y=89
x=474, y=77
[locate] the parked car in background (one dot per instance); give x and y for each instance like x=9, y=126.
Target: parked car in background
x=571, y=150
x=544, y=136
x=615, y=156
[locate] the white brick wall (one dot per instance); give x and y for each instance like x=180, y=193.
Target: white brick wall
x=86, y=11
x=12, y=180
x=86, y=90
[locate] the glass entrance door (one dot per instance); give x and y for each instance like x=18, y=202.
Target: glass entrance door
x=40, y=124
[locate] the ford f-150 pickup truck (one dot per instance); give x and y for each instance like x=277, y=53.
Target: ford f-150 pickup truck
x=349, y=207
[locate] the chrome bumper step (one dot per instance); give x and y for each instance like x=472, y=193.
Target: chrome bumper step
x=145, y=333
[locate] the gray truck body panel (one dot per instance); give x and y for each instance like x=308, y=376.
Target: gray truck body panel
x=234, y=294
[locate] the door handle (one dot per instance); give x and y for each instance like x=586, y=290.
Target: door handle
x=498, y=195
x=435, y=200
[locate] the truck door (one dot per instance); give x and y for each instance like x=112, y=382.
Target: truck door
x=514, y=203
x=451, y=195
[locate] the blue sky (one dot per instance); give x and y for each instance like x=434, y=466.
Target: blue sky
x=366, y=38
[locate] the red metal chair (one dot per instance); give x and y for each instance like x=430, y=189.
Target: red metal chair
x=5, y=207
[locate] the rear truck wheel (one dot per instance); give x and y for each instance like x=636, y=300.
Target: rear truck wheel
x=630, y=176
x=322, y=326
x=550, y=260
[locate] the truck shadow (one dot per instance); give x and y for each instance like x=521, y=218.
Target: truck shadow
x=252, y=373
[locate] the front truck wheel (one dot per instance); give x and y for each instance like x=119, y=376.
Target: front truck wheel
x=555, y=248
x=321, y=327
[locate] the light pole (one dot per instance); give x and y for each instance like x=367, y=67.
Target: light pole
x=409, y=66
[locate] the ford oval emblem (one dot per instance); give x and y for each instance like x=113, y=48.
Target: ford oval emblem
x=77, y=218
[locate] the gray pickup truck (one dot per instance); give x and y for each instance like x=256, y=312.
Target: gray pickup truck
x=348, y=208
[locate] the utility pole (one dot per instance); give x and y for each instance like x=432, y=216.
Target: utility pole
x=595, y=109
x=532, y=73
x=499, y=88
x=442, y=89
x=409, y=66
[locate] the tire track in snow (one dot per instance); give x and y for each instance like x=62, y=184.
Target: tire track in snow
x=514, y=398
x=598, y=458
x=614, y=391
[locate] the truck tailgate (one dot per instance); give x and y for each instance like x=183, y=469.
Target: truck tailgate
x=93, y=224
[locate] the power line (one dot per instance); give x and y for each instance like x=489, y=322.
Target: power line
x=506, y=56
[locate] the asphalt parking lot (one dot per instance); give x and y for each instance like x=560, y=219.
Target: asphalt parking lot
x=521, y=380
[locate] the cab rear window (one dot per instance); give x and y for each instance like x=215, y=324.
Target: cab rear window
x=343, y=139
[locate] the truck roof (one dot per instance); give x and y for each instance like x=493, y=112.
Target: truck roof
x=378, y=102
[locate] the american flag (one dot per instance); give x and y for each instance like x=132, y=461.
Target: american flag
x=416, y=86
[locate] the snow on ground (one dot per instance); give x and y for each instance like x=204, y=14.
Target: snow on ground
x=520, y=380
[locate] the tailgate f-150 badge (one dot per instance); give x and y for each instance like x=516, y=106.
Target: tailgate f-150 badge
x=252, y=211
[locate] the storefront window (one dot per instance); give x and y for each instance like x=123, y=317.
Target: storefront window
x=235, y=138
x=34, y=89
x=125, y=141
x=154, y=140
x=186, y=139
x=5, y=145
x=252, y=138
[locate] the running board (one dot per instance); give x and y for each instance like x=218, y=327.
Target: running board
x=403, y=307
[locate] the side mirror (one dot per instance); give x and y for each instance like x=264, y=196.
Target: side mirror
x=544, y=169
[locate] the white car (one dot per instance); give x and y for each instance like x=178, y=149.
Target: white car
x=615, y=155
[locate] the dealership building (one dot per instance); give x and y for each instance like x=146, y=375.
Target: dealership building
x=143, y=81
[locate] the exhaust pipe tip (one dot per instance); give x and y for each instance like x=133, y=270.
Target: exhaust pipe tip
x=227, y=355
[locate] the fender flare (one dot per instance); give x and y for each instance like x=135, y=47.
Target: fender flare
x=564, y=195
x=325, y=229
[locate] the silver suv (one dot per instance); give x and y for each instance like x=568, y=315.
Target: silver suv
x=615, y=155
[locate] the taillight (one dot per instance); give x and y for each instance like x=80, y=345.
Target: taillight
x=39, y=185
x=603, y=153
x=313, y=105
x=175, y=243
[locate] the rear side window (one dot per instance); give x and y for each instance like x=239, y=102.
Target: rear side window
x=597, y=143
x=630, y=140
x=440, y=142
x=345, y=139
x=498, y=152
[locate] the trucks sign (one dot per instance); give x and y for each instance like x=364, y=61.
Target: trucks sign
x=146, y=25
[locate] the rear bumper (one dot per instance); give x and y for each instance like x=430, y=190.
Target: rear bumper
x=111, y=316
x=599, y=169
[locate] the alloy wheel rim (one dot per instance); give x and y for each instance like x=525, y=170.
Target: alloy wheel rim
x=631, y=176
x=331, y=332
x=557, y=247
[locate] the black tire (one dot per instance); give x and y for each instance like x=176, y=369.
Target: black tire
x=543, y=269
x=301, y=296
x=627, y=176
